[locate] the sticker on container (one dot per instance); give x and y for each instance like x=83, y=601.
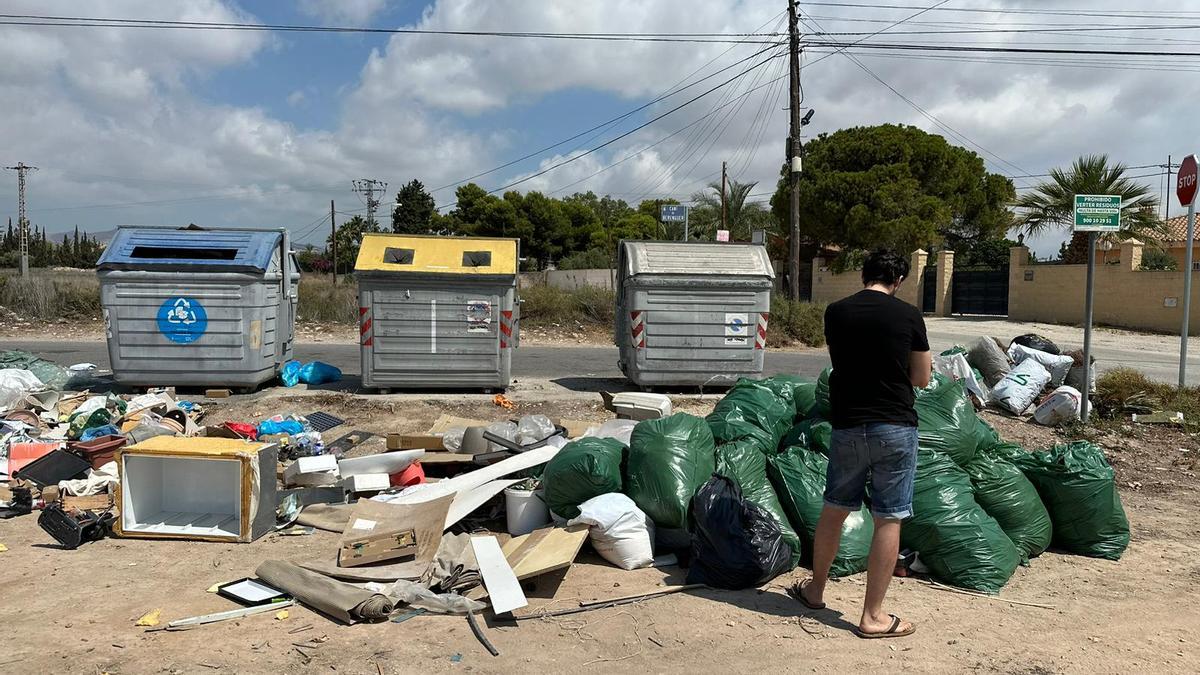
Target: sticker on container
x=737, y=331
x=479, y=316
x=256, y=334
x=182, y=320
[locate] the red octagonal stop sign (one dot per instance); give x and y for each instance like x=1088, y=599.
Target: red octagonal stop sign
x=1185, y=186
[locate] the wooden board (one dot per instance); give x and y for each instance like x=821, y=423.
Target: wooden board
x=88, y=503
x=468, y=500
x=504, y=590
x=414, y=442
x=544, y=550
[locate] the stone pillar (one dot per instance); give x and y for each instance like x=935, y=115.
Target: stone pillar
x=945, y=272
x=1131, y=255
x=913, y=288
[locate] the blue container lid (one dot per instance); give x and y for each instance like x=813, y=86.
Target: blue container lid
x=191, y=249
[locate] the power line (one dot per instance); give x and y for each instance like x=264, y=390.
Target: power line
x=841, y=46
x=1158, y=14
x=105, y=22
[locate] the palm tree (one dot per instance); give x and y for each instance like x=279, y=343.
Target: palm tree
x=741, y=215
x=1051, y=205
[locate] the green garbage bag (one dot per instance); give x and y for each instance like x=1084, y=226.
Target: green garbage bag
x=798, y=475
x=1010, y=452
x=798, y=393
x=822, y=409
x=1078, y=488
x=669, y=459
x=586, y=468
x=960, y=543
x=1008, y=496
x=936, y=382
x=751, y=409
x=746, y=465
x=985, y=435
x=813, y=434
x=946, y=422
x=51, y=374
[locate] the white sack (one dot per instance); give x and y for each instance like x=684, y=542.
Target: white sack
x=1016, y=392
x=1058, y=366
x=619, y=531
x=621, y=430
x=15, y=384
x=955, y=367
x=1060, y=407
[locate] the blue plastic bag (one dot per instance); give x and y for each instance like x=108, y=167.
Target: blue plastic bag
x=316, y=372
x=97, y=432
x=289, y=427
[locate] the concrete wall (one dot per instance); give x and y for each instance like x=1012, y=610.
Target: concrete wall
x=570, y=279
x=828, y=286
x=1124, y=295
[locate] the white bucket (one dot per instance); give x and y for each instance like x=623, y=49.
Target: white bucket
x=525, y=510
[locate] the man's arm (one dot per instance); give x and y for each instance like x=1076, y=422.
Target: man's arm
x=920, y=366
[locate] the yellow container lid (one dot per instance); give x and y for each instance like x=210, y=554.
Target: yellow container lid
x=199, y=445
x=436, y=255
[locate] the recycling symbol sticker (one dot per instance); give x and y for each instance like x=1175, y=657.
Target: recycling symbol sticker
x=182, y=320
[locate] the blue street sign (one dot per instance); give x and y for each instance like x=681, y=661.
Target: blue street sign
x=182, y=320
x=673, y=213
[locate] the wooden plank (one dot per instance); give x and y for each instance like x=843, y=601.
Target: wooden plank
x=415, y=442
x=504, y=590
x=544, y=550
x=468, y=500
x=88, y=503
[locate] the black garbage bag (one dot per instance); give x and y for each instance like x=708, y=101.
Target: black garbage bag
x=1079, y=489
x=735, y=544
x=669, y=459
x=747, y=466
x=1038, y=342
x=586, y=468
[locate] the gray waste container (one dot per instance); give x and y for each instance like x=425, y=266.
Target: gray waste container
x=437, y=312
x=692, y=313
x=193, y=307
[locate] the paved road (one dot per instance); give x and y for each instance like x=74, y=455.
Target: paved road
x=580, y=368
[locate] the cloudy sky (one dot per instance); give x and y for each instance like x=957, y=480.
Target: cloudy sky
x=260, y=128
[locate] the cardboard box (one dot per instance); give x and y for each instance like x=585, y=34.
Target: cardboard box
x=414, y=442
x=209, y=489
x=378, y=531
x=367, y=482
x=377, y=547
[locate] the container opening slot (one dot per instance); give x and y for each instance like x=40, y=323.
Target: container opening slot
x=398, y=256
x=173, y=253
x=477, y=259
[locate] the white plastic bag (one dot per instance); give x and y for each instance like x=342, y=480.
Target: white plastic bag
x=533, y=428
x=621, y=430
x=955, y=367
x=505, y=430
x=619, y=531
x=1058, y=366
x=15, y=384
x=453, y=438
x=1016, y=392
x=1060, y=407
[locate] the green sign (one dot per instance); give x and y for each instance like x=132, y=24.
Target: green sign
x=1097, y=213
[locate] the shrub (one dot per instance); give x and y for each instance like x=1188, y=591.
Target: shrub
x=52, y=295
x=591, y=259
x=1158, y=259
x=796, y=322
x=320, y=301
x=1123, y=390
x=544, y=305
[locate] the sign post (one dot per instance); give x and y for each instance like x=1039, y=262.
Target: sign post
x=1093, y=214
x=675, y=213
x=1185, y=189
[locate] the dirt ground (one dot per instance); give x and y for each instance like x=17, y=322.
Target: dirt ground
x=74, y=611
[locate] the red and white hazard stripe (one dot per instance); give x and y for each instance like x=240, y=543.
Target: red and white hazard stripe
x=506, y=328
x=364, y=327
x=637, y=329
x=760, y=339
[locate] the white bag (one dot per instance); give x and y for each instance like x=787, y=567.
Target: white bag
x=533, y=428
x=1060, y=407
x=1016, y=392
x=990, y=359
x=15, y=384
x=619, y=531
x=955, y=367
x=1058, y=366
x=622, y=430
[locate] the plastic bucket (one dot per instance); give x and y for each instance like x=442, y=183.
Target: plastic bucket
x=525, y=510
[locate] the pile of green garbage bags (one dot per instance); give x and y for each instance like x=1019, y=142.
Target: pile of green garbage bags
x=981, y=506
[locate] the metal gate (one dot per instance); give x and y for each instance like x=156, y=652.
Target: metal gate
x=929, y=290
x=979, y=291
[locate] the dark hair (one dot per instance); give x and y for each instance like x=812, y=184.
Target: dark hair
x=884, y=267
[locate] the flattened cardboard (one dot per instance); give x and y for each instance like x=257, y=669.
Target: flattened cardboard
x=377, y=547
x=424, y=520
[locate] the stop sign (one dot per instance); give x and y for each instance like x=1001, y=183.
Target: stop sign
x=1185, y=187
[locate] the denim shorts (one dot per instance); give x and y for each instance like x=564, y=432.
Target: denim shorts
x=885, y=455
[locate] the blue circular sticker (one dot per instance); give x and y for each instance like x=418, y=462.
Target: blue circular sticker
x=182, y=320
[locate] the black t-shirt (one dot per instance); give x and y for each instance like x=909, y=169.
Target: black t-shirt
x=871, y=336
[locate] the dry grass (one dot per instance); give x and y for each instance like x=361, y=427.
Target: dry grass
x=792, y=322
x=321, y=301
x=543, y=305
x=1125, y=390
x=51, y=294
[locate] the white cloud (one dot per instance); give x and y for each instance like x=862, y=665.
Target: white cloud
x=296, y=98
x=353, y=12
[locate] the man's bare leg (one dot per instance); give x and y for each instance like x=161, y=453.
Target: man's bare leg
x=885, y=546
x=826, y=540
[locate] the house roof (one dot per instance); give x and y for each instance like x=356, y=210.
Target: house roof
x=1176, y=230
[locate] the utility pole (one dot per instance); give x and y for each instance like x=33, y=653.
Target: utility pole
x=1167, y=213
x=22, y=222
x=724, y=224
x=368, y=187
x=794, y=153
x=333, y=239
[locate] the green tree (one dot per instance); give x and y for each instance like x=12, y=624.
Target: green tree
x=413, y=210
x=349, y=239
x=895, y=186
x=1051, y=204
x=741, y=215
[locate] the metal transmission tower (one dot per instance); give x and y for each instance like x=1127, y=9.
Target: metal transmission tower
x=22, y=222
x=369, y=187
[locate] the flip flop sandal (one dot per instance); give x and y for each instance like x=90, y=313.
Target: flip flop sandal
x=891, y=632
x=797, y=592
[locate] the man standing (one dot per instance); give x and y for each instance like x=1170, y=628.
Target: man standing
x=879, y=352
